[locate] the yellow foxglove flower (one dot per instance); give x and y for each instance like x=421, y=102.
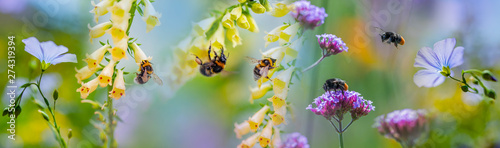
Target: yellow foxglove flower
x=288, y=34
x=106, y=74
x=277, y=102
x=262, y=80
x=234, y=36
x=118, y=52
x=93, y=60
x=201, y=27
x=253, y=25
x=257, y=118
x=99, y=30
x=88, y=88
x=274, y=35
x=279, y=115
x=151, y=17
x=265, y=136
x=241, y=129
x=120, y=12
x=242, y=1
x=259, y=92
x=258, y=8
x=101, y=8
x=281, y=82
x=139, y=54
x=243, y=22
x=227, y=22
x=118, y=86
x=236, y=13
x=217, y=39
x=280, y=10
x=117, y=34
x=250, y=141
x=267, y=5
x=85, y=73
x=276, y=141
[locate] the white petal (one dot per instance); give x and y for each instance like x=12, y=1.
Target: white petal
x=456, y=57
x=64, y=58
x=51, y=51
x=444, y=48
x=427, y=58
x=33, y=47
x=428, y=78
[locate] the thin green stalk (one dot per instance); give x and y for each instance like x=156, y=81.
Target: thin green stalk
x=347, y=126
x=336, y=129
x=341, y=138
x=111, y=131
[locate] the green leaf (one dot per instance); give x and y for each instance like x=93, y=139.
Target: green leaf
x=102, y=43
x=44, y=115
x=139, y=9
x=106, y=60
x=55, y=95
x=213, y=28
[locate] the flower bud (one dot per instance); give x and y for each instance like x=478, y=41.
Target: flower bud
x=464, y=88
x=236, y=13
x=243, y=22
x=227, y=22
x=44, y=115
x=242, y=1
x=253, y=24
x=487, y=75
x=267, y=5
x=258, y=8
x=491, y=93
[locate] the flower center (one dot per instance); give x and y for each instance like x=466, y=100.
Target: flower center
x=445, y=71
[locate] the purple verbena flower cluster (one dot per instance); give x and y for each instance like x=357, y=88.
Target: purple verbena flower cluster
x=337, y=103
x=295, y=140
x=308, y=15
x=404, y=126
x=331, y=44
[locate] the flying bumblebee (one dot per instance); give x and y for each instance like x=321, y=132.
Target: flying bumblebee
x=391, y=37
x=214, y=66
x=335, y=84
x=146, y=73
x=262, y=68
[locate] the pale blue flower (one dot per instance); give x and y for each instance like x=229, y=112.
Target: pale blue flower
x=437, y=62
x=48, y=52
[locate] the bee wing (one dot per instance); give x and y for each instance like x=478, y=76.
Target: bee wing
x=252, y=60
x=379, y=30
x=227, y=73
x=157, y=79
x=264, y=71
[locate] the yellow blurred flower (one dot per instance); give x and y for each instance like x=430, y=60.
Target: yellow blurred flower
x=118, y=52
x=279, y=115
x=234, y=36
x=241, y=129
x=277, y=102
x=281, y=82
x=259, y=92
x=265, y=136
x=274, y=35
x=288, y=34
x=258, y=8
x=120, y=12
x=118, y=86
x=99, y=30
x=242, y=1
x=257, y=118
x=227, y=22
x=88, y=88
x=85, y=73
x=151, y=17
x=93, y=60
x=243, y=22
x=139, y=55
x=217, y=38
x=253, y=25
x=106, y=74
x=249, y=142
x=236, y=13
x=276, y=140
x=101, y=8
x=280, y=10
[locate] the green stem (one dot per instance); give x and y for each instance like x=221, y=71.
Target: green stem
x=132, y=14
x=316, y=63
x=110, y=125
x=336, y=129
x=463, y=81
x=341, y=138
x=471, y=72
x=348, y=125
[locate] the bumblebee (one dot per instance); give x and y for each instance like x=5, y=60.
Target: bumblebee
x=335, y=84
x=391, y=37
x=262, y=68
x=146, y=72
x=216, y=65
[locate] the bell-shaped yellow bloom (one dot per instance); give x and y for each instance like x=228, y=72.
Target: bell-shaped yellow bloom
x=106, y=74
x=242, y=1
x=253, y=25
x=233, y=35
x=236, y=13
x=281, y=82
x=279, y=115
x=99, y=30
x=93, y=60
x=265, y=136
x=201, y=27
x=250, y=141
x=117, y=34
x=227, y=22
x=277, y=102
x=258, y=8
x=151, y=17
x=280, y=10
x=85, y=73
x=217, y=38
x=259, y=92
x=118, y=52
x=118, y=90
x=243, y=22
x=257, y=118
x=88, y=88
x=274, y=35
x=288, y=34
x=262, y=80
x=120, y=12
x=139, y=54
x=276, y=140
x=101, y=8
x=241, y=129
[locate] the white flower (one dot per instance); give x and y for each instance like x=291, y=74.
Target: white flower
x=101, y=8
x=151, y=17
x=139, y=54
x=99, y=30
x=93, y=60
x=48, y=52
x=118, y=90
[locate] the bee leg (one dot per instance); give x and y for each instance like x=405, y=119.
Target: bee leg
x=396, y=44
x=210, y=50
x=198, y=60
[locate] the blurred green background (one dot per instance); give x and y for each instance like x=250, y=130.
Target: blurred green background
x=202, y=112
